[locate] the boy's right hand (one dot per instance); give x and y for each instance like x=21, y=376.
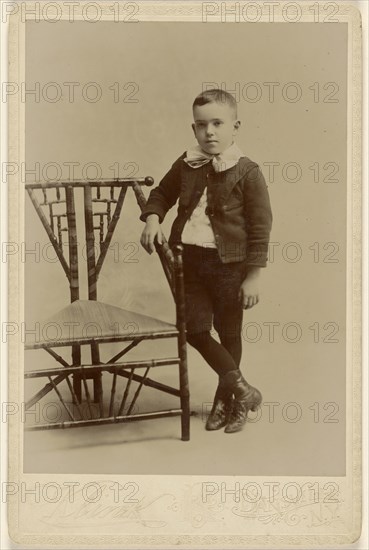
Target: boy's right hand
x=152, y=229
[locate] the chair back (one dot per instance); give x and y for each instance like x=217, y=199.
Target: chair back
x=55, y=205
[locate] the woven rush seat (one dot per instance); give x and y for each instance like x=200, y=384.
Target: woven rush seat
x=87, y=321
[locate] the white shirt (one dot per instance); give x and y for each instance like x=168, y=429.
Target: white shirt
x=197, y=229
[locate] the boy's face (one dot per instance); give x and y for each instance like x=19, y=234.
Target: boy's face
x=215, y=126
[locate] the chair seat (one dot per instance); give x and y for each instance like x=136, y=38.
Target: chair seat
x=85, y=321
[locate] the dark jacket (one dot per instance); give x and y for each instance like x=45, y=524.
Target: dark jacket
x=238, y=207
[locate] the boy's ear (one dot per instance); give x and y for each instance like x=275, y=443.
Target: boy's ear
x=193, y=128
x=236, y=125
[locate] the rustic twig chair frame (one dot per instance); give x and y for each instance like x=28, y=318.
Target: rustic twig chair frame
x=62, y=195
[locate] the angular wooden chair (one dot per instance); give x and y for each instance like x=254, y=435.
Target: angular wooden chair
x=115, y=324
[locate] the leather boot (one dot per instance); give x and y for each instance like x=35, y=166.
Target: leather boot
x=222, y=406
x=246, y=398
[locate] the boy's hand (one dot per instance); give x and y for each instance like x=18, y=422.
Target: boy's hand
x=152, y=229
x=249, y=291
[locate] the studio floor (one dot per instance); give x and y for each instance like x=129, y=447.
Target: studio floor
x=286, y=437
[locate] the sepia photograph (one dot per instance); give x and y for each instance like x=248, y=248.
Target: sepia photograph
x=184, y=273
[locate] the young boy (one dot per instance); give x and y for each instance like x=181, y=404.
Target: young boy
x=224, y=221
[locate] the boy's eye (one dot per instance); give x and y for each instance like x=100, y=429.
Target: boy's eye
x=204, y=124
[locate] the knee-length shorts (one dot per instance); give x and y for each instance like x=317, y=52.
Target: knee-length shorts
x=212, y=291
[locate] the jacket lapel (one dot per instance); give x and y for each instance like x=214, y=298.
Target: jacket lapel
x=227, y=180
x=193, y=183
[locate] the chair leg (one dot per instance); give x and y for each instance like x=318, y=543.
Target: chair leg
x=179, y=294
x=185, y=418
x=77, y=379
x=77, y=387
x=97, y=388
x=184, y=391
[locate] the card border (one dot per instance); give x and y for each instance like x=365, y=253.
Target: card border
x=350, y=485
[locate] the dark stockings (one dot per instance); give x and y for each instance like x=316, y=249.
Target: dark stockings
x=223, y=357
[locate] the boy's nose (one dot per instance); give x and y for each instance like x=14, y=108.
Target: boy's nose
x=210, y=130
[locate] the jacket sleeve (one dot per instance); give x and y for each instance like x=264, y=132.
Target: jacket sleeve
x=165, y=195
x=258, y=216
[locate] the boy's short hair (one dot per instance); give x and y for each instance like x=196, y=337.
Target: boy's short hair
x=216, y=95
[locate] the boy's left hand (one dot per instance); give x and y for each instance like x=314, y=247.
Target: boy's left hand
x=249, y=291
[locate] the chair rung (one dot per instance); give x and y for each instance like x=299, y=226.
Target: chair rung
x=102, y=339
x=152, y=383
x=107, y=182
x=111, y=367
x=109, y=420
